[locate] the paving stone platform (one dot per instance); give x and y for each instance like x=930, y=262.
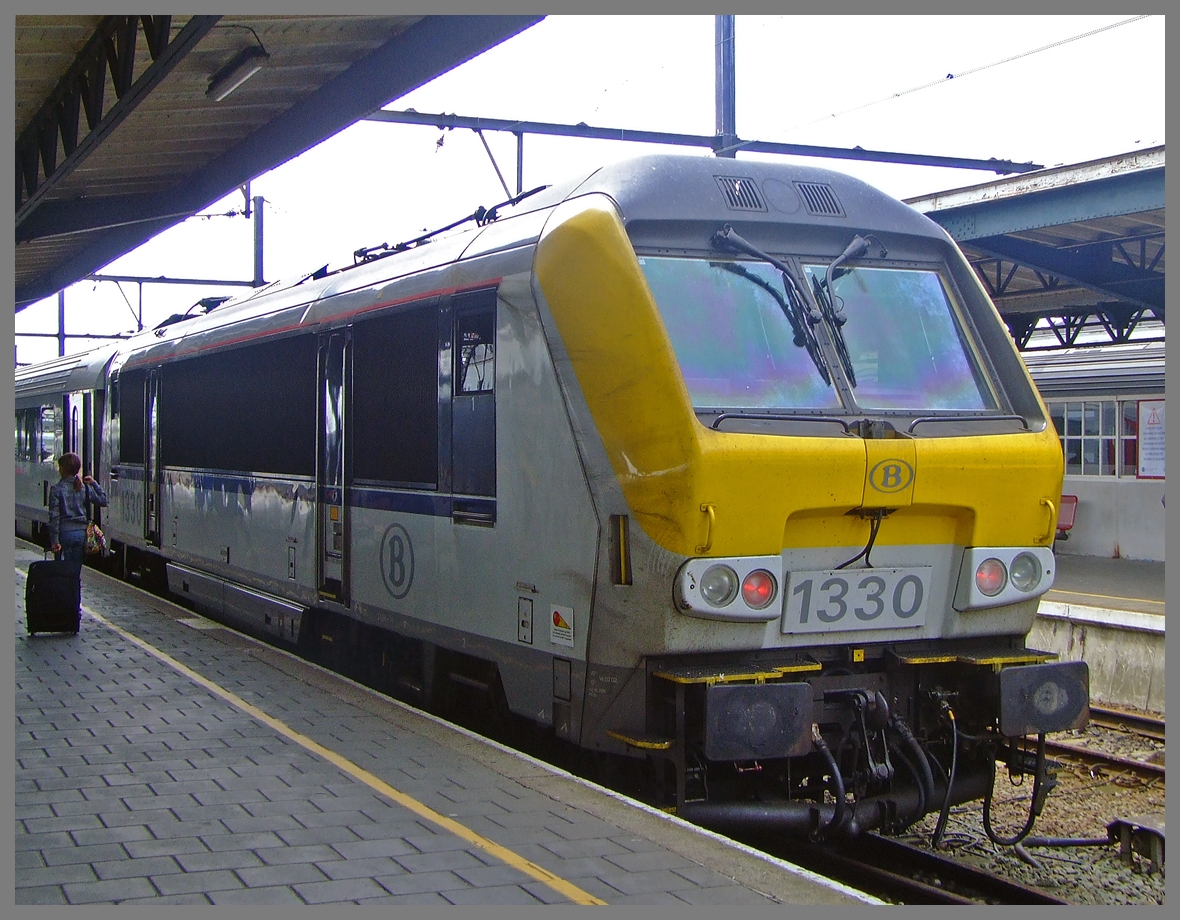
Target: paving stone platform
x=138, y=784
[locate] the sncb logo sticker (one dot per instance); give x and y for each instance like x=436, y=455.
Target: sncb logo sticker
x=891, y=476
x=397, y=561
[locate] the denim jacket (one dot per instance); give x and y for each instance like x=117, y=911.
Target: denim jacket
x=67, y=508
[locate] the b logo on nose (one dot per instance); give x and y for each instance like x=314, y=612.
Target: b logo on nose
x=891, y=475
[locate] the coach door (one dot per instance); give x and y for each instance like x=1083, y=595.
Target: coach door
x=331, y=502
x=151, y=460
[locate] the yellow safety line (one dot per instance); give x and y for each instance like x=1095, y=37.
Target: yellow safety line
x=560, y=885
x=1111, y=597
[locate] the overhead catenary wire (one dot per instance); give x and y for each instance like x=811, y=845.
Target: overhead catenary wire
x=966, y=73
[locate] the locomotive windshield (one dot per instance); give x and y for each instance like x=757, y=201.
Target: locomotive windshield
x=906, y=347
x=737, y=350
x=734, y=342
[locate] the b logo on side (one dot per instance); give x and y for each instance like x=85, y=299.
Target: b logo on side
x=397, y=561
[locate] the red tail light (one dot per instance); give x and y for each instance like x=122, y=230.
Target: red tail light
x=759, y=589
x=990, y=577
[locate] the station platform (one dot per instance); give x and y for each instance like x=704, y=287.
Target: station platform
x=163, y=759
x=1110, y=614
x=1109, y=584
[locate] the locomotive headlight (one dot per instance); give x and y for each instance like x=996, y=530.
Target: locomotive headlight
x=1026, y=572
x=991, y=577
x=759, y=589
x=996, y=576
x=719, y=585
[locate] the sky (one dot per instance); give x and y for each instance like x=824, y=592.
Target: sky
x=879, y=82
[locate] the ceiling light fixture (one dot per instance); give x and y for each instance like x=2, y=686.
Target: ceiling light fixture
x=241, y=68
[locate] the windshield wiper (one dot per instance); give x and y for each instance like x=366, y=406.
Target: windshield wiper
x=835, y=321
x=832, y=306
x=854, y=250
x=794, y=305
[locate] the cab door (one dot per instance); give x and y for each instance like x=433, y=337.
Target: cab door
x=331, y=497
x=473, y=408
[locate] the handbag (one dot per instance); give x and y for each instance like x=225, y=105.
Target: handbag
x=96, y=541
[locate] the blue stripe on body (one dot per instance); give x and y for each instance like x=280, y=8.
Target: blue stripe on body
x=374, y=498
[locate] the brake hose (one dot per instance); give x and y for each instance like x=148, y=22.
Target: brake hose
x=1032, y=808
x=837, y=782
x=944, y=813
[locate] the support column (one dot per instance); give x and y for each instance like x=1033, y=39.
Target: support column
x=61, y=323
x=725, y=87
x=258, y=282
x=519, y=161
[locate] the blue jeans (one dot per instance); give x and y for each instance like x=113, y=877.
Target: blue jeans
x=73, y=543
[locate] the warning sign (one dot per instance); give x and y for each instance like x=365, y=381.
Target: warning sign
x=561, y=626
x=1152, y=439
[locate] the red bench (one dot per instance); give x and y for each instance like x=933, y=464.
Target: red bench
x=1065, y=516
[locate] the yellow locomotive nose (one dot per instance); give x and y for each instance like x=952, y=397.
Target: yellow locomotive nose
x=719, y=491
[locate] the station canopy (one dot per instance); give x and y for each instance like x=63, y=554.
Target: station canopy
x=127, y=125
x=1071, y=255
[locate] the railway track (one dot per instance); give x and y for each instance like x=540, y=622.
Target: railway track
x=1139, y=723
x=1135, y=723
x=1095, y=759
x=897, y=872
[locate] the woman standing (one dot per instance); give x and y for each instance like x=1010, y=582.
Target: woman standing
x=67, y=509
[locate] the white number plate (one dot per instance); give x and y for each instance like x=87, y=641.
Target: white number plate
x=839, y=600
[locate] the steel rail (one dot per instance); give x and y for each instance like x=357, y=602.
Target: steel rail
x=1113, y=762
x=896, y=871
x=1139, y=723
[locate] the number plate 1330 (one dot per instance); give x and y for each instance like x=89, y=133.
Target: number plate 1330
x=835, y=600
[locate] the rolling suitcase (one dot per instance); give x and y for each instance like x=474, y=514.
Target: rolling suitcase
x=52, y=597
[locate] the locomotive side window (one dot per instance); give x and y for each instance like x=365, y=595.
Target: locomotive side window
x=395, y=398
x=475, y=352
x=249, y=409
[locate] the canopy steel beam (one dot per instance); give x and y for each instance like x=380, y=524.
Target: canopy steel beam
x=1118, y=322
x=717, y=144
x=422, y=52
x=1091, y=267
x=83, y=87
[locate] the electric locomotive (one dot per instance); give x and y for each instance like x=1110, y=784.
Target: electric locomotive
x=727, y=467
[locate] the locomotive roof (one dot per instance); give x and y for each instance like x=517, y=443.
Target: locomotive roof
x=673, y=188
x=651, y=191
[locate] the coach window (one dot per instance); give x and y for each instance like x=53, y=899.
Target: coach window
x=28, y=436
x=131, y=444
x=50, y=432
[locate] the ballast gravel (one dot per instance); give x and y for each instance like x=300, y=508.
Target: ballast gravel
x=1083, y=803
